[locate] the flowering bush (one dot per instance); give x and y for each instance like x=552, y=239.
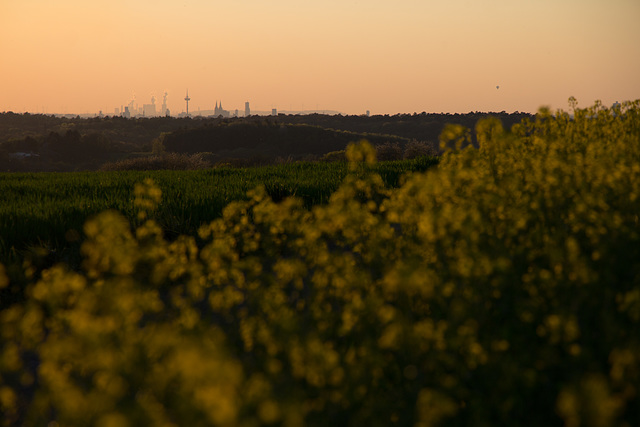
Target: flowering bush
x=502, y=287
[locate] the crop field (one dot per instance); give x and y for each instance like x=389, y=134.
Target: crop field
x=46, y=210
x=500, y=287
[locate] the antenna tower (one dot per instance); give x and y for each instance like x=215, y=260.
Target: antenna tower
x=187, y=99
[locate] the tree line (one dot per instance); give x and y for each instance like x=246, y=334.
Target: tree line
x=39, y=142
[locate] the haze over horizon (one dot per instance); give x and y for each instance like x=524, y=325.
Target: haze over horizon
x=74, y=56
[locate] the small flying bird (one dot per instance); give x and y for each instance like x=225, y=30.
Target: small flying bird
x=497, y=87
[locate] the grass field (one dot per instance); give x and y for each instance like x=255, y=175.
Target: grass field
x=47, y=210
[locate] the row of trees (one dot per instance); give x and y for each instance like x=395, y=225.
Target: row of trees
x=268, y=138
x=60, y=152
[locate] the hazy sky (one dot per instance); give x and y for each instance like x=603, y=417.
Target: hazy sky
x=386, y=56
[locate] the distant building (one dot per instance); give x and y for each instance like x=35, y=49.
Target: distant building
x=187, y=98
x=23, y=155
x=219, y=111
x=127, y=113
x=274, y=112
x=164, y=110
x=247, y=110
x=368, y=113
x=132, y=108
x=149, y=110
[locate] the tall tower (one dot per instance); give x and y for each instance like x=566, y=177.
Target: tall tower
x=164, y=104
x=187, y=99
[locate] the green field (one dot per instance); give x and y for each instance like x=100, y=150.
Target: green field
x=501, y=287
x=48, y=209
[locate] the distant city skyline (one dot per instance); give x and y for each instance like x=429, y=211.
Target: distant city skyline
x=406, y=56
x=134, y=108
x=139, y=108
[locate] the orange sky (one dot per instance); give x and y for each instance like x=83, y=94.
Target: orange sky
x=400, y=56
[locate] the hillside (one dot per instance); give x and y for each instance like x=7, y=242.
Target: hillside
x=269, y=139
x=36, y=142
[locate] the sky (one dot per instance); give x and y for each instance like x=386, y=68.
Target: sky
x=385, y=56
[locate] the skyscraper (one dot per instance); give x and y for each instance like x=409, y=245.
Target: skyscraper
x=149, y=110
x=163, y=111
x=247, y=110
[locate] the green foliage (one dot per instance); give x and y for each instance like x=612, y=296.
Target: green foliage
x=43, y=214
x=415, y=149
x=388, y=151
x=168, y=161
x=247, y=138
x=500, y=288
x=454, y=136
